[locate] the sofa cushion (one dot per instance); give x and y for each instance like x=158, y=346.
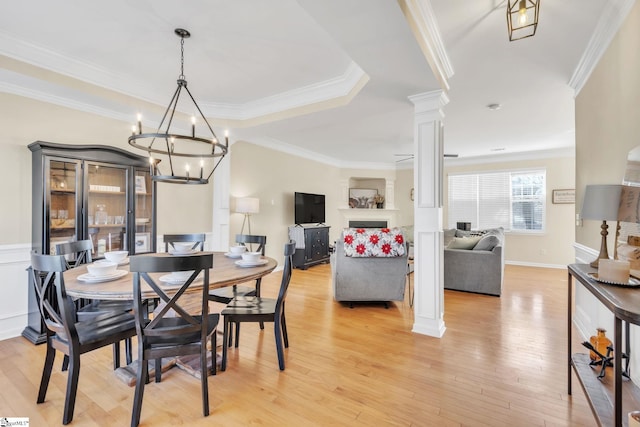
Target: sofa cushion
x=487, y=243
x=448, y=236
x=467, y=242
x=373, y=242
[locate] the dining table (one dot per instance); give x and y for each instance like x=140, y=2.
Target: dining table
x=227, y=271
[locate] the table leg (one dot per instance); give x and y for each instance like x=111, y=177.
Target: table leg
x=569, y=304
x=617, y=367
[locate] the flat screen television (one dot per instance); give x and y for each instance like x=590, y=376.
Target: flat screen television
x=309, y=208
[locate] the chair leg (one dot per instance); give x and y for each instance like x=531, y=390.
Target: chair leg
x=158, y=364
x=141, y=377
x=223, y=363
x=116, y=355
x=230, y=335
x=258, y=283
x=214, y=356
x=65, y=363
x=284, y=331
x=277, y=330
x=46, y=372
x=72, y=389
x=127, y=350
x=204, y=376
x=237, y=334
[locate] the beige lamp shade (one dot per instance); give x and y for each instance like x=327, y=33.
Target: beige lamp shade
x=248, y=205
x=601, y=202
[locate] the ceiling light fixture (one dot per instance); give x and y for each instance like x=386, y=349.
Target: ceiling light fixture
x=522, y=18
x=172, y=145
x=494, y=107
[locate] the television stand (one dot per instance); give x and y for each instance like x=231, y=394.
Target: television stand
x=316, y=245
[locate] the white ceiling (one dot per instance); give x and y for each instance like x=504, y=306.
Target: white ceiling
x=329, y=79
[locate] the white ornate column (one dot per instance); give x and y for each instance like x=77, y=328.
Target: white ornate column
x=428, y=240
x=221, y=183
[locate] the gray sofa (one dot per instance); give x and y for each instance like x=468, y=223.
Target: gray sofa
x=475, y=269
x=367, y=279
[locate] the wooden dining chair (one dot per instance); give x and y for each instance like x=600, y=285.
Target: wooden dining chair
x=78, y=253
x=173, y=331
x=259, y=309
x=64, y=332
x=226, y=294
x=196, y=239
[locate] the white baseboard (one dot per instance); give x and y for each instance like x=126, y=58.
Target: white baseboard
x=536, y=264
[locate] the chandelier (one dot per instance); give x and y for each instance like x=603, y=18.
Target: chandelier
x=180, y=149
x=522, y=18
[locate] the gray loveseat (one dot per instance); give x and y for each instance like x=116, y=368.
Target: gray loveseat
x=367, y=278
x=479, y=268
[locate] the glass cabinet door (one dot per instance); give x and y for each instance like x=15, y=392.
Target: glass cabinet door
x=106, y=207
x=61, y=202
x=144, y=212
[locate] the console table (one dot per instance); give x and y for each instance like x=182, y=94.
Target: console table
x=624, y=303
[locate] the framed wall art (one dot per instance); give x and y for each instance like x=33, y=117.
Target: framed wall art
x=563, y=196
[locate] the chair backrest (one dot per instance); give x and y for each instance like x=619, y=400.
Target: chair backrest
x=57, y=310
x=80, y=252
x=252, y=238
x=197, y=239
x=167, y=324
x=289, y=250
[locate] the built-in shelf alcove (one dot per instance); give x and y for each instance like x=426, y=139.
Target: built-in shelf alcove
x=382, y=186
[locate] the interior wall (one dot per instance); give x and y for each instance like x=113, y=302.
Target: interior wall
x=273, y=177
x=404, y=204
x=607, y=128
x=553, y=247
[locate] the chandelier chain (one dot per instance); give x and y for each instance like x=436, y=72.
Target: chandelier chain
x=181, y=58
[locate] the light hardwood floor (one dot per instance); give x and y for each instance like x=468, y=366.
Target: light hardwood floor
x=501, y=362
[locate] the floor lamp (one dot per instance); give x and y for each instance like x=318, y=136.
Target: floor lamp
x=601, y=203
x=247, y=206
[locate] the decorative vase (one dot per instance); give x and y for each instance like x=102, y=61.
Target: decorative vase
x=380, y=205
x=600, y=342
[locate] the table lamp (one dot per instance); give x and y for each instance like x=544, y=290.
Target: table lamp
x=601, y=203
x=247, y=206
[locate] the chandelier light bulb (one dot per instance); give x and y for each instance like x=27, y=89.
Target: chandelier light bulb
x=522, y=18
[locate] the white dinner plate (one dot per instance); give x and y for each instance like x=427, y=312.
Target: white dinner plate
x=243, y=263
x=90, y=278
x=170, y=279
x=230, y=255
x=189, y=252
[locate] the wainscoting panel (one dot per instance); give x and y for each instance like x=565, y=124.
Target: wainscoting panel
x=14, y=260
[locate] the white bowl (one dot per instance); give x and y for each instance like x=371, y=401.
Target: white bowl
x=238, y=249
x=182, y=247
x=116, y=256
x=251, y=256
x=181, y=275
x=102, y=268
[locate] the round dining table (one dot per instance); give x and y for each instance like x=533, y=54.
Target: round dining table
x=225, y=272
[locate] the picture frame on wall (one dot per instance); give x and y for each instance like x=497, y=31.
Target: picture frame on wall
x=142, y=242
x=361, y=198
x=563, y=196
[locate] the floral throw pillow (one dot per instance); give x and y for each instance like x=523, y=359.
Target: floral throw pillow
x=373, y=242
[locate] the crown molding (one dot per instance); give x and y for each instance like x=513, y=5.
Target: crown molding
x=337, y=87
x=275, y=144
x=611, y=19
x=47, y=59
x=425, y=29
x=565, y=152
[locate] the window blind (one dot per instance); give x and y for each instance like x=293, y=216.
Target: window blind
x=514, y=200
